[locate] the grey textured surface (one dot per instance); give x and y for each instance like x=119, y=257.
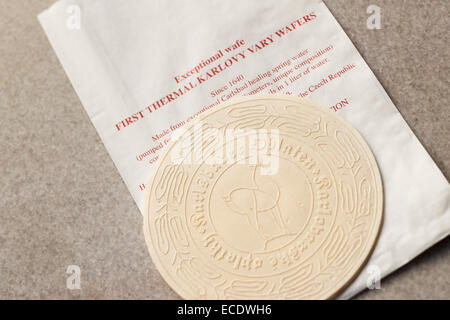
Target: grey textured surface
x=63, y=201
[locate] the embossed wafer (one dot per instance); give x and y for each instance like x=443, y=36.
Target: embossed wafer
x=267, y=197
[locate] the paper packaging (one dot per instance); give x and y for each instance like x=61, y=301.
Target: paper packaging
x=143, y=68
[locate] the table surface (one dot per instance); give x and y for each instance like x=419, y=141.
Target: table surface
x=63, y=202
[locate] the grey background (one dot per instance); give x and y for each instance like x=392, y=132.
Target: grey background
x=63, y=201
